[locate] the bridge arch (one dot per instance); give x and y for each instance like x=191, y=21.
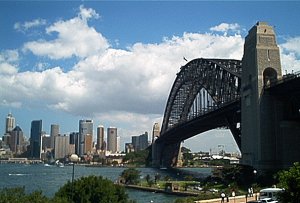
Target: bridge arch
x=201, y=86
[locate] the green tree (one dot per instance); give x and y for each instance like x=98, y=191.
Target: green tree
x=131, y=176
x=16, y=195
x=92, y=189
x=290, y=181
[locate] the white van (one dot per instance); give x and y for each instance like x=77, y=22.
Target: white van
x=269, y=193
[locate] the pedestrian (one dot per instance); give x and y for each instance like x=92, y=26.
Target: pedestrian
x=251, y=190
x=222, y=197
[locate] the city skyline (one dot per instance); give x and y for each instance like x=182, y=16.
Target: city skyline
x=115, y=62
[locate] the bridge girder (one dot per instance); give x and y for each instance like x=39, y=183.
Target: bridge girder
x=213, y=82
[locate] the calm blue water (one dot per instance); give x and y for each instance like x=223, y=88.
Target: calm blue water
x=50, y=179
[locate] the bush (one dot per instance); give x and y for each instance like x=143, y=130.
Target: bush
x=92, y=189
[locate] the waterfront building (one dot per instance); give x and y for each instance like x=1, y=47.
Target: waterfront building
x=61, y=148
x=143, y=141
x=155, y=131
x=54, y=131
x=16, y=141
x=88, y=144
x=129, y=148
x=135, y=142
x=112, y=139
x=85, y=128
x=35, y=139
x=46, y=143
x=9, y=123
x=100, y=138
x=118, y=144
x=140, y=142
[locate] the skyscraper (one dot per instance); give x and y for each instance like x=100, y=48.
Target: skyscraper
x=143, y=141
x=155, y=131
x=16, y=141
x=54, y=131
x=112, y=139
x=9, y=124
x=100, y=138
x=85, y=128
x=35, y=139
x=61, y=146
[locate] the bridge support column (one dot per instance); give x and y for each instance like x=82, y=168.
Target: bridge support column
x=260, y=116
x=166, y=155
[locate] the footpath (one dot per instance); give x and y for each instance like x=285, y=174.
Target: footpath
x=237, y=199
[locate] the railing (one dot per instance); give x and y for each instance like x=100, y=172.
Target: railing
x=284, y=78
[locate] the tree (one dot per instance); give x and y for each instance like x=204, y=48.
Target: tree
x=290, y=181
x=92, y=189
x=131, y=176
x=16, y=195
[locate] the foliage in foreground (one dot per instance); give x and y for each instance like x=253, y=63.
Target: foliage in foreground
x=290, y=181
x=16, y=195
x=91, y=189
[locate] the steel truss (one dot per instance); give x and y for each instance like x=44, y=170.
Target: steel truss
x=202, y=86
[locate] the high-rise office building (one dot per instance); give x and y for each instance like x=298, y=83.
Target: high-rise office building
x=143, y=141
x=112, y=139
x=16, y=141
x=61, y=148
x=73, y=142
x=85, y=128
x=155, y=131
x=54, y=131
x=9, y=123
x=100, y=138
x=88, y=144
x=135, y=143
x=35, y=139
x=140, y=142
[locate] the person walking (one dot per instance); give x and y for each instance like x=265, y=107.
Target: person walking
x=222, y=197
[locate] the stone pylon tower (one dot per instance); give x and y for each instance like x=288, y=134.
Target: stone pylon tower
x=261, y=66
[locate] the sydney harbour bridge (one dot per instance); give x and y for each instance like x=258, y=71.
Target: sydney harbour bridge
x=251, y=97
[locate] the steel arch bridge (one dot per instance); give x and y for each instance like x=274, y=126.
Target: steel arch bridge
x=205, y=95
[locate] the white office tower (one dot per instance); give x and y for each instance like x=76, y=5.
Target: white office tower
x=155, y=131
x=9, y=124
x=112, y=139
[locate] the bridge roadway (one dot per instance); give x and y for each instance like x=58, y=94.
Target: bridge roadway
x=211, y=120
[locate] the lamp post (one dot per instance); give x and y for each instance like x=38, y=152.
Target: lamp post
x=73, y=158
x=254, y=173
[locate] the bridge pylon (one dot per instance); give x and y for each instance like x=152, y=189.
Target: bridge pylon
x=262, y=112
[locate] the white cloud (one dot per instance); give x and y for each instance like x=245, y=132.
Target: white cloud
x=74, y=38
x=225, y=27
x=9, y=56
x=292, y=45
x=290, y=55
x=7, y=69
x=22, y=27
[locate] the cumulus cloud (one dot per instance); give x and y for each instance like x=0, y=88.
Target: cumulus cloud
x=226, y=27
x=23, y=27
x=290, y=55
x=74, y=38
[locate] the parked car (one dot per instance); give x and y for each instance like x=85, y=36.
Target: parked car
x=268, y=200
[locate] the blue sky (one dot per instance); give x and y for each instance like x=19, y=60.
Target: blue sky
x=115, y=62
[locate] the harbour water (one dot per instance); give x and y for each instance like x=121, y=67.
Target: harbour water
x=49, y=179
